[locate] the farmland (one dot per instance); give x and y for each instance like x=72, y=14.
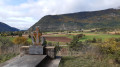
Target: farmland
x=66, y=38
x=63, y=39
x=86, y=37
x=92, y=50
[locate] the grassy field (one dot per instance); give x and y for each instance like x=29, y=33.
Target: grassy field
x=86, y=61
x=102, y=36
x=11, y=38
x=87, y=35
x=92, y=60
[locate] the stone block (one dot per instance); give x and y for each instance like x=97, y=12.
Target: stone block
x=24, y=49
x=36, y=49
x=50, y=51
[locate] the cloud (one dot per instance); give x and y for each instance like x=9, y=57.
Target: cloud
x=23, y=14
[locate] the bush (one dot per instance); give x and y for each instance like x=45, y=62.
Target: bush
x=20, y=40
x=110, y=46
x=94, y=40
x=75, y=43
x=4, y=41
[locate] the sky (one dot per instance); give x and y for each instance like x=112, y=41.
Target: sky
x=22, y=14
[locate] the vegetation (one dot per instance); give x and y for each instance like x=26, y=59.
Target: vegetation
x=75, y=43
x=4, y=42
x=53, y=42
x=85, y=61
x=93, y=53
x=101, y=36
x=21, y=41
x=5, y=57
x=17, y=33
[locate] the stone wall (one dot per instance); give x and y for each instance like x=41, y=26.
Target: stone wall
x=49, y=51
x=10, y=49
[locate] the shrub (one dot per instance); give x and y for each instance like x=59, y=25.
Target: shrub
x=75, y=43
x=29, y=36
x=94, y=40
x=110, y=46
x=20, y=40
x=4, y=41
x=20, y=34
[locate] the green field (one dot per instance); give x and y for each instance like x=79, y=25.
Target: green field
x=94, y=59
x=101, y=36
x=87, y=36
x=85, y=61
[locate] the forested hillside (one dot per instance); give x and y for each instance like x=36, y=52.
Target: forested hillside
x=109, y=18
x=4, y=27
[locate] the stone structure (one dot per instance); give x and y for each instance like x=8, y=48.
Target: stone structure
x=38, y=41
x=36, y=36
x=39, y=46
x=51, y=52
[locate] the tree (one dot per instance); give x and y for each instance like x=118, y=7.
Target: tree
x=20, y=34
x=12, y=34
x=29, y=36
x=75, y=43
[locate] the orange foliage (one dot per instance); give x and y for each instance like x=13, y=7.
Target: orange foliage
x=20, y=40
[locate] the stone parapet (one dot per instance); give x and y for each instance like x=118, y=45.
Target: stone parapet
x=49, y=51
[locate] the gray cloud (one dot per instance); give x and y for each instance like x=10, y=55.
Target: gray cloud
x=26, y=14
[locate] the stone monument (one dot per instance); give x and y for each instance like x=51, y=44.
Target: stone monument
x=38, y=42
x=39, y=46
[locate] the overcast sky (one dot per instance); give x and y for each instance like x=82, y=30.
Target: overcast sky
x=24, y=13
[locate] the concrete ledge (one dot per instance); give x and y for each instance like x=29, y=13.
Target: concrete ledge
x=27, y=61
x=24, y=50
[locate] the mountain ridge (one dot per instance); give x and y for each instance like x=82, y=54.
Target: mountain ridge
x=4, y=27
x=80, y=20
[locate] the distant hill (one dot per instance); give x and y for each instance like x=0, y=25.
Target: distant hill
x=4, y=27
x=109, y=18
